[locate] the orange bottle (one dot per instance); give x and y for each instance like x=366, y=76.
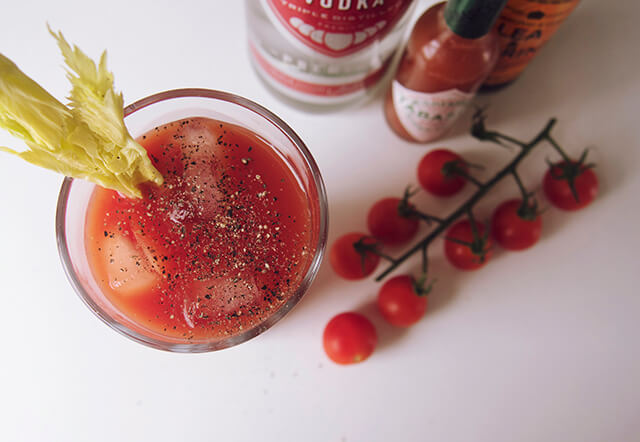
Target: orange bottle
x=524, y=27
x=451, y=51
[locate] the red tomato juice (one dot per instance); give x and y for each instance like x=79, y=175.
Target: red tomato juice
x=215, y=250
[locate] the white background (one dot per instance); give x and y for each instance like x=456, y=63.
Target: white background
x=541, y=345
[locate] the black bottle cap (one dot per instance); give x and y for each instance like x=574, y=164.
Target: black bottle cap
x=472, y=18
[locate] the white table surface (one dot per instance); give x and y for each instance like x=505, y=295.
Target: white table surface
x=538, y=346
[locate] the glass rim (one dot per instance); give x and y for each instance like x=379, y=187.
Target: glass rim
x=219, y=344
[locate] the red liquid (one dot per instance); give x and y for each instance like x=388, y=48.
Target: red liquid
x=437, y=59
x=216, y=249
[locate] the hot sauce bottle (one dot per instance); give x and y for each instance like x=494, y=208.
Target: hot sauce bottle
x=451, y=51
x=523, y=28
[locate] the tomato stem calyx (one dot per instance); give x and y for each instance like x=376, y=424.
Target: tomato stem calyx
x=479, y=131
x=479, y=245
x=459, y=168
x=364, y=246
x=568, y=170
x=455, y=170
x=528, y=210
x=420, y=286
x=405, y=208
x=408, y=210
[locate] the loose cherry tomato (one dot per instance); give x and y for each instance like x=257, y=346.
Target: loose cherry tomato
x=515, y=228
x=351, y=256
x=390, y=223
x=349, y=338
x=463, y=250
x=436, y=172
x=556, y=185
x=399, y=301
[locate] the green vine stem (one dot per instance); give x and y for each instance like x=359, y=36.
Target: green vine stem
x=525, y=195
x=478, y=131
x=470, y=178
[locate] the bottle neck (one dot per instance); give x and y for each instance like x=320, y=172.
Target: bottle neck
x=472, y=18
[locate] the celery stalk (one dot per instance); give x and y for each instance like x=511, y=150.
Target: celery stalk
x=86, y=140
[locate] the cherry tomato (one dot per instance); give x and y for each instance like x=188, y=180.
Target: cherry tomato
x=472, y=255
x=557, y=188
x=348, y=262
x=349, y=338
x=388, y=224
x=399, y=303
x=511, y=230
x=432, y=172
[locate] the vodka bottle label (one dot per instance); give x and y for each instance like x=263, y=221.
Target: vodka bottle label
x=336, y=28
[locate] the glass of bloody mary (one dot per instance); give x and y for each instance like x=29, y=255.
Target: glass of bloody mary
x=218, y=253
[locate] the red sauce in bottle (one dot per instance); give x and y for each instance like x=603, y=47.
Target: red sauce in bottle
x=443, y=65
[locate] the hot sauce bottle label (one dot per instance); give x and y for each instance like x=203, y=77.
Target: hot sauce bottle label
x=427, y=116
x=524, y=27
x=337, y=27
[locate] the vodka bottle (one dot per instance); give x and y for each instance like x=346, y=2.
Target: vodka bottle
x=323, y=53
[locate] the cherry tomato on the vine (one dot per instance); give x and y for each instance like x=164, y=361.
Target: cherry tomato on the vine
x=349, y=338
x=399, y=303
x=387, y=222
x=558, y=191
x=351, y=256
x=511, y=228
x=436, y=172
x=470, y=252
